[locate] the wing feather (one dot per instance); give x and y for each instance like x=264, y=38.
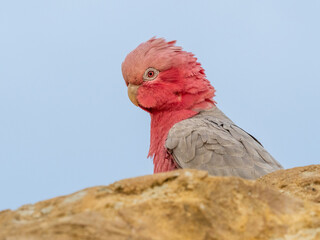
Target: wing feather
x=211, y=141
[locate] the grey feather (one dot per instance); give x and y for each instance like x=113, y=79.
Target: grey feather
x=211, y=141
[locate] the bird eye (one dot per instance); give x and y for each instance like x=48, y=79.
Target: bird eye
x=150, y=74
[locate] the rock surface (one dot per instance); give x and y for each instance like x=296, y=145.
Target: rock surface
x=183, y=204
x=302, y=182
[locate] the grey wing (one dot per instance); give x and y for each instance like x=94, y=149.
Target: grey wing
x=219, y=147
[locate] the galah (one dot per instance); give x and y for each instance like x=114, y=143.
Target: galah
x=188, y=130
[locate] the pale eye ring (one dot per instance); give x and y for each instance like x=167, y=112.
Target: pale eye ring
x=150, y=74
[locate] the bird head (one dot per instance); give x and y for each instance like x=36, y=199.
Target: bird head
x=161, y=76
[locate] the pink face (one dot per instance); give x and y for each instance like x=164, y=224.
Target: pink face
x=160, y=76
x=154, y=81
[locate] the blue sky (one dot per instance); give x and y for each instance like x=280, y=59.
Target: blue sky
x=66, y=122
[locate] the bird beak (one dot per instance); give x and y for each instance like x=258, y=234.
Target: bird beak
x=132, y=93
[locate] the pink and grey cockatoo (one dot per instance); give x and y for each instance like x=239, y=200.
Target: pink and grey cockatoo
x=187, y=128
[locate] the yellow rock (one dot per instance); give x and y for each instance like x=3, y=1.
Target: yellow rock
x=302, y=182
x=184, y=204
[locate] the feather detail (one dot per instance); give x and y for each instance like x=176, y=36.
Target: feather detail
x=161, y=123
x=179, y=91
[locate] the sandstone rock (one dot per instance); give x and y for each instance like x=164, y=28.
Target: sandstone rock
x=302, y=182
x=183, y=204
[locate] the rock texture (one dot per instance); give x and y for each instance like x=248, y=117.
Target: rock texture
x=183, y=204
x=302, y=182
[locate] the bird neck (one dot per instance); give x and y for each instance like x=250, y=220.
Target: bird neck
x=161, y=122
